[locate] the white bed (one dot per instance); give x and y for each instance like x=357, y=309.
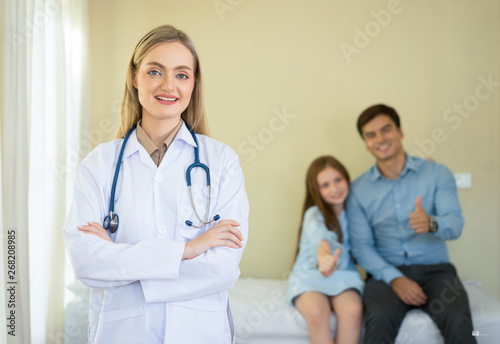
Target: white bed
x=262, y=316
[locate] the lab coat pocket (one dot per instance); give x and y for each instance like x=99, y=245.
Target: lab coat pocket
x=122, y=326
x=197, y=322
x=199, y=202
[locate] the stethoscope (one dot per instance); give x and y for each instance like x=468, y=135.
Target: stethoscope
x=111, y=221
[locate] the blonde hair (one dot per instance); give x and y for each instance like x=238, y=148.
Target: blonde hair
x=131, y=108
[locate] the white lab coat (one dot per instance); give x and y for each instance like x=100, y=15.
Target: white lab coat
x=142, y=292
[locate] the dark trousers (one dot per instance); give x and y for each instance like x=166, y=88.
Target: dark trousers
x=447, y=304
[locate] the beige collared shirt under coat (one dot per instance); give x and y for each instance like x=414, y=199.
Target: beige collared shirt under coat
x=153, y=151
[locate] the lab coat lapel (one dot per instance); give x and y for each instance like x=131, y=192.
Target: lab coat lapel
x=185, y=135
x=133, y=146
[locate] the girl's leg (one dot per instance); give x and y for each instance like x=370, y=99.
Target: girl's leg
x=316, y=309
x=348, y=309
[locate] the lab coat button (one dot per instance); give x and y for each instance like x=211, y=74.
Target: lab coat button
x=162, y=229
x=158, y=178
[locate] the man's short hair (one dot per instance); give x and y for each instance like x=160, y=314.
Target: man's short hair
x=374, y=111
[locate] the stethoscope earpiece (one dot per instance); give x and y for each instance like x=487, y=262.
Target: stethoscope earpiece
x=190, y=223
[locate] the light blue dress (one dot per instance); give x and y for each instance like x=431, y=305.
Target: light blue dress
x=305, y=275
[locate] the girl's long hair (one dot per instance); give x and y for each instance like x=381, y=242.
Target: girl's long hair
x=313, y=196
x=131, y=108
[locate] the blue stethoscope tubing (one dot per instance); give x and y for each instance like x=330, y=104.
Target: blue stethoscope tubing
x=197, y=163
x=112, y=220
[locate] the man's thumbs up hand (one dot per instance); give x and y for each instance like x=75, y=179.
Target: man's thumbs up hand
x=419, y=220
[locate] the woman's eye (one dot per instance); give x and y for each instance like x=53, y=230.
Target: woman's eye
x=154, y=72
x=182, y=76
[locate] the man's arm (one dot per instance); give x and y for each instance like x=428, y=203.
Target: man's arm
x=363, y=248
x=447, y=212
x=363, y=243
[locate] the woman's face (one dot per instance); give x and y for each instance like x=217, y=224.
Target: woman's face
x=165, y=80
x=333, y=187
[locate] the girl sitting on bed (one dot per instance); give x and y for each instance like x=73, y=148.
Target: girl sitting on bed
x=321, y=281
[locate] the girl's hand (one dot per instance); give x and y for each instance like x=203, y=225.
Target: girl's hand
x=327, y=264
x=95, y=229
x=223, y=233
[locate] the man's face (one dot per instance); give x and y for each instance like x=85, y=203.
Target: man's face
x=382, y=138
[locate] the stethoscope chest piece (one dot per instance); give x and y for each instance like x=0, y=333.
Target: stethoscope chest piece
x=111, y=222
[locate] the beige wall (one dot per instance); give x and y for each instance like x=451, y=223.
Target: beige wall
x=285, y=81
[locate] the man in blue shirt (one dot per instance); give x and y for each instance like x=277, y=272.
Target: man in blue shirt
x=400, y=213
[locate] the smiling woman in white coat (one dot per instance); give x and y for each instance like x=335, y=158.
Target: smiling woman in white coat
x=160, y=271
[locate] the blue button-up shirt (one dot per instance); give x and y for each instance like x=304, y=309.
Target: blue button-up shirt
x=378, y=210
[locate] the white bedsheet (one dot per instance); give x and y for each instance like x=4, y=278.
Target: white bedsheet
x=262, y=316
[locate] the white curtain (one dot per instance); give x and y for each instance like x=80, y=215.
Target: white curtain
x=46, y=110
x=15, y=166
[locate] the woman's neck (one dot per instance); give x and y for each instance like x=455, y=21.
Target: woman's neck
x=158, y=130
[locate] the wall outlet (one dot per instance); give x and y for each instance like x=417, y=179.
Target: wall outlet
x=463, y=180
